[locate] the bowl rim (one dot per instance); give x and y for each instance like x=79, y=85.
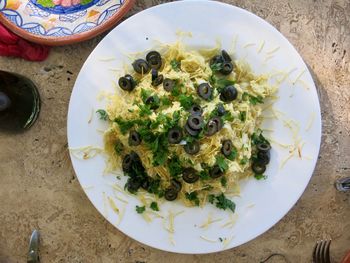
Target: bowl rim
x=59, y=41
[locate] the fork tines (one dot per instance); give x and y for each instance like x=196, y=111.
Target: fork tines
x=321, y=252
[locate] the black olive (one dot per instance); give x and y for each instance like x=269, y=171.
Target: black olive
x=157, y=81
x=135, y=157
x=175, y=135
x=226, y=147
x=263, y=157
x=213, y=126
x=133, y=184
x=258, y=168
x=134, y=138
x=168, y=84
x=216, y=60
x=151, y=102
x=192, y=148
x=127, y=163
x=227, y=68
x=215, y=172
x=145, y=183
x=263, y=147
x=226, y=56
x=141, y=66
x=205, y=91
x=229, y=93
x=195, y=122
x=154, y=60
x=220, y=109
x=191, y=131
x=176, y=185
x=170, y=194
x=190, y=175
x=154, y=74
x=196, y=110
x=127, y=83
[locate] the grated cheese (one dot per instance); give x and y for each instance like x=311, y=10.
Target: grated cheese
x=299, y=76
x=91, y=115
x=249, y=45
x=106, y=59
x=274, y=50
x=231, y=222
x=261, y=46
x=85, y=152
x=310, y=122
x=209, y=221
x=113, y=205
x=227, y=241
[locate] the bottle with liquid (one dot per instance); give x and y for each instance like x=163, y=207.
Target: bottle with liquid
x=19, y=102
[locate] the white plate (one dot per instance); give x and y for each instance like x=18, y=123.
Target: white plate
x=262, y=203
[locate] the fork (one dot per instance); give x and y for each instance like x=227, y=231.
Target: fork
x=321, y=252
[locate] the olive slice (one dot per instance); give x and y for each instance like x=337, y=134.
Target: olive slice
x=154, y=74
x=258, y=168
x=133, y=184
x=220, y=109
x=211, y=128
x=176, y=185
x=170, y=194
x=205, y=91
x=127, y=83
x=157, y=81
x=141, y=66
x=145, y=183
x=226, y=147
x=168, y=84
x=218, y=122
x=154, y=59
x=192, y=148
x=263, y=147
x=191, y=131
x=151, y=102
x=215, y=172
x=134, y=138
x=216, y=60
x=175, y=135
x=263, y=157
x=127, y=163
x=196, y=110
x=195, y=122
x=229, y=93
x=226, y=57
x=190, y=175
x=227, y=68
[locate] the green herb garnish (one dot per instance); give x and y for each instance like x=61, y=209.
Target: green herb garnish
x=118, y=147
x=103, y=114
x=144, y=110
x=243, y=116
x=174, y=166
x=216, y=67
x=154, y=206
x=232, y=155
x=260, y=176
x=222, y=163
x=244, y=160
x=193, y=197
x=140, y=209
x=145, y=94
x=186, y=101
x=222, y=202
x=175, y=65
x=223, y=181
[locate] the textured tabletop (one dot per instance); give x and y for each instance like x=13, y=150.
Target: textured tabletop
x=38, y=187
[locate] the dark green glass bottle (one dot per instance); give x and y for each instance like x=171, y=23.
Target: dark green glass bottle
x=19, y=102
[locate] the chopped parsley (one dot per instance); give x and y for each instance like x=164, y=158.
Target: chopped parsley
x=103, y=114
x=222, y=163
x=186, y=101
x=220, y=83
x=243, y=116
x=204, y=175
x=165, y=101
x=140, y=209
x=222, y=202
x=216, y=67
x=174, y=166
x=118, y=147
x=260, y=176
x=145, y=94
x=154, y=187
x=193, y=197
x=258, y=138
x=144, y=110
x=244, y=160
x=124, y=125
x=252, y=99
x=223, y=181
x=175, y=65
x=154, y=206
x=232, y=155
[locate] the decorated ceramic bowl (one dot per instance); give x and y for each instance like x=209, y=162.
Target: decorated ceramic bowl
x=59, y=22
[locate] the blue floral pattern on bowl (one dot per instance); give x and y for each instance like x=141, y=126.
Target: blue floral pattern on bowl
x=58, y=21
x=59, y=9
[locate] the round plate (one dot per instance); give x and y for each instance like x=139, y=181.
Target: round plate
x=60, y=22
x=295, y=120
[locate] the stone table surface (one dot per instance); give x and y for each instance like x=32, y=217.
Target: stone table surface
x=38, y=187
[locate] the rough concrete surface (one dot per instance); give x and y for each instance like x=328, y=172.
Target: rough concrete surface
x=38, y=188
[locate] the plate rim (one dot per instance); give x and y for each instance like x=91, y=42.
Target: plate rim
x=318, y=117
x=72, y=39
